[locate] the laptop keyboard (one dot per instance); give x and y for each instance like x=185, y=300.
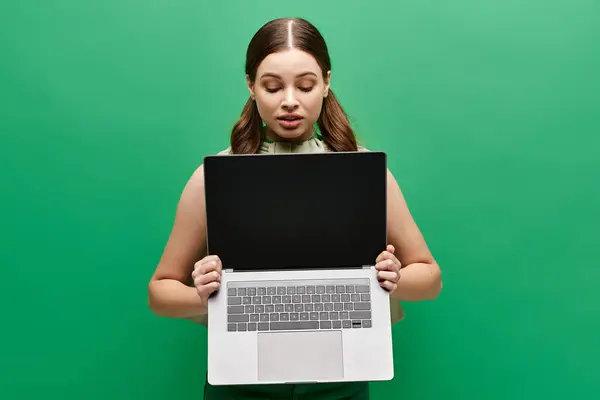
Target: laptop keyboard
x=302, y=305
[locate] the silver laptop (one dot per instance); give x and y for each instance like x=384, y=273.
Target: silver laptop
x=298, y=235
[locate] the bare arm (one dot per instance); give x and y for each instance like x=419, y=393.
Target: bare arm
x=420, y=276
x=170, y=291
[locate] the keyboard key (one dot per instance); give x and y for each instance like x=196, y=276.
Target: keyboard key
x=330, y=289
x=238, y=318
x=325, y=324
x=320, y=289
x=242, y=327
x=234, y=301
x=232, y=292
x=346, y=324
x=362, y=306
x=336, y=324
x=366, y=323
x=291, y=290
x=340, y=289
x=231, y=327
x=356, y=324
x=241, y=292
x=263, y=326
x=281, y=290
x=251, y=326
x=235, y=310
x=271, y=291
x=360, y=315
x=295, y=325
x=261, y=291
x=362, y=289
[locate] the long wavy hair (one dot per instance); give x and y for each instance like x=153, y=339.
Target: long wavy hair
x=333, y=123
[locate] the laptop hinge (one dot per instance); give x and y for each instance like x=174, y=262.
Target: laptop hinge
x=367, y=266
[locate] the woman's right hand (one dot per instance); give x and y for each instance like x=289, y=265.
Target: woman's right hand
x=207, y=276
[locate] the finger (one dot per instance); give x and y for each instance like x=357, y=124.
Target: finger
x=211, y=265
x=385, y=265
x=208, y=289
x=390, y=248
x=387, y=276
x=386, y=255
x=213, y=276
x=389, y=286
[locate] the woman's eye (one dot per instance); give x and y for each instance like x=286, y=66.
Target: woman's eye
x=271, y=90
x=306, y=89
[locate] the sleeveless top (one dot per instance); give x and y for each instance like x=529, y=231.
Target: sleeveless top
x=313, y=145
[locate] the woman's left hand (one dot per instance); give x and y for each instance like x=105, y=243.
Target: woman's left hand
x=389, y=269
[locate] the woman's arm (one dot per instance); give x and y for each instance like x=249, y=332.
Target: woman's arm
x=420, y=276
x=170, y=291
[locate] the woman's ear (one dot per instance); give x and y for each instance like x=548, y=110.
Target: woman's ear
x=327, y=84
x=250, y=87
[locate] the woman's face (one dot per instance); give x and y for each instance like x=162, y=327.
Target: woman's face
x=289, y=92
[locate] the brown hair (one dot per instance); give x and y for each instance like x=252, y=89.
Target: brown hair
x=334, y=127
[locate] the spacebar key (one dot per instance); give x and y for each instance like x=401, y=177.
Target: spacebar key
x=295, y=325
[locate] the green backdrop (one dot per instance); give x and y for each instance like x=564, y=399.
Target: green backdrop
x=489, y=113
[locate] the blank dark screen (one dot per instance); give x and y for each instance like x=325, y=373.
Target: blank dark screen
x=320, y=210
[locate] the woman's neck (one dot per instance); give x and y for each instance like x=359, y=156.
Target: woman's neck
x=271, y=136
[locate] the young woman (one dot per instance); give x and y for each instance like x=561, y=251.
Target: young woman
x=288, y=73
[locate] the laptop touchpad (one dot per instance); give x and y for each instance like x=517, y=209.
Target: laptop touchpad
x=300, y=356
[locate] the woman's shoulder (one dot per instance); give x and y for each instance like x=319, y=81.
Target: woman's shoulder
x=224, y=151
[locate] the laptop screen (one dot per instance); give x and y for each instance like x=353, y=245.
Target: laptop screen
x=283, y=211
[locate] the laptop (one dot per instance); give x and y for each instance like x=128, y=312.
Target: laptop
x=299, y=301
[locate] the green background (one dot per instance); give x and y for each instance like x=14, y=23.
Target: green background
x=489, y=113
